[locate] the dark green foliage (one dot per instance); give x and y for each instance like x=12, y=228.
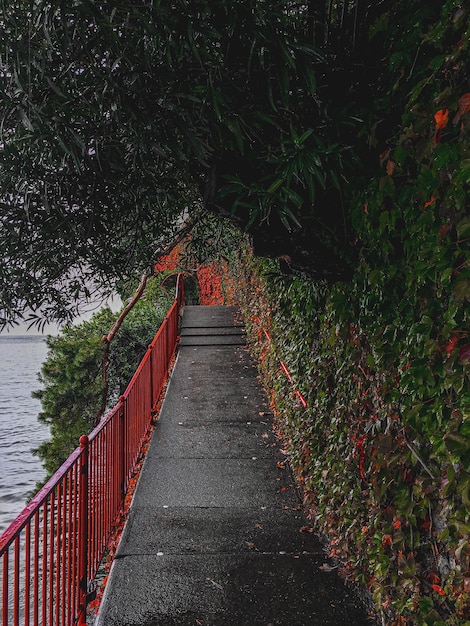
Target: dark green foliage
x=72, y=373
x=135, y=335
x=71, y=376
x=117, y=118
x=212, y=240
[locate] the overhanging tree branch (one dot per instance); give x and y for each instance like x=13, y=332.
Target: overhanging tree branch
x=182, y=233
x=106, y=340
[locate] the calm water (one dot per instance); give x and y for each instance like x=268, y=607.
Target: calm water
x=21, y=358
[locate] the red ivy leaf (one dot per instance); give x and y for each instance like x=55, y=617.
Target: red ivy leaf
x=383, y=156
x=391, y=165
x=439, y=590
x=450, y=345
x=444, y=230
x=464, y=353
x=441, y=118
x=429, y=202
x=463, y=108
x=306, y=529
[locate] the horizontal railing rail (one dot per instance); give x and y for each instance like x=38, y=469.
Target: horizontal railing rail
x=51, y=553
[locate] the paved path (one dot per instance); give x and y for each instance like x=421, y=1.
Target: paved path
x=213, y=536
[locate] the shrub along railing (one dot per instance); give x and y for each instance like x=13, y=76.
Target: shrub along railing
x=51, y=552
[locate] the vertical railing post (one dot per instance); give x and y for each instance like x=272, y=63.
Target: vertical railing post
x=122, y=435
x=165, y=336
x=83, y=530
x=151, y=357
x=168, y=340
x=5, y=590
x=180, y=294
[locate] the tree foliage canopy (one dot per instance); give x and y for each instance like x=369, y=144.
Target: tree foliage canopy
x=118, y=120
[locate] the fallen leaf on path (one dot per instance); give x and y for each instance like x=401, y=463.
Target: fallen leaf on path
x=327, y=568
x=214, y=583
x=306, y=529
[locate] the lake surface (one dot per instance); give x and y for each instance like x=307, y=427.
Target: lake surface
x=21, y=357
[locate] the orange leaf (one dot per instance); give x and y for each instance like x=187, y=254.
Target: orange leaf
x=450, y=345
x=429, y=202
x=306, y=529
x=383, y=156
x=439, y=590
x=391, y=165
x=441, y=118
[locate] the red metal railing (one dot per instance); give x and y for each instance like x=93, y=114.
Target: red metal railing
x=52, y=551
x=286, y=371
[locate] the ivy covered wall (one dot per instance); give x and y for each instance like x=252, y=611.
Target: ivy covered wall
x=382, y=450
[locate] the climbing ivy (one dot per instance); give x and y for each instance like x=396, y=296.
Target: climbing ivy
x=382, y=450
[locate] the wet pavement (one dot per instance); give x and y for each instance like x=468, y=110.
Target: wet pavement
x=214, y=534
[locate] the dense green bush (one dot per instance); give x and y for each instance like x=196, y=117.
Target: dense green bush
x=72, y=376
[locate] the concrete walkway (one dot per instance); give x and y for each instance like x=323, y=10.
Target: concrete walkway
x=213, y=536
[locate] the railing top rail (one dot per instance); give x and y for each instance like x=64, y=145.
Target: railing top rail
x=136, y=373
x=179, y=278
x=116, y=407
x=178, y=289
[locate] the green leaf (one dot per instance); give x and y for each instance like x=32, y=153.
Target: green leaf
x=463, y=228
x=462, y=174
x=457, y=443
x=275, y=185
x=461, y=291
x=311, y=79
